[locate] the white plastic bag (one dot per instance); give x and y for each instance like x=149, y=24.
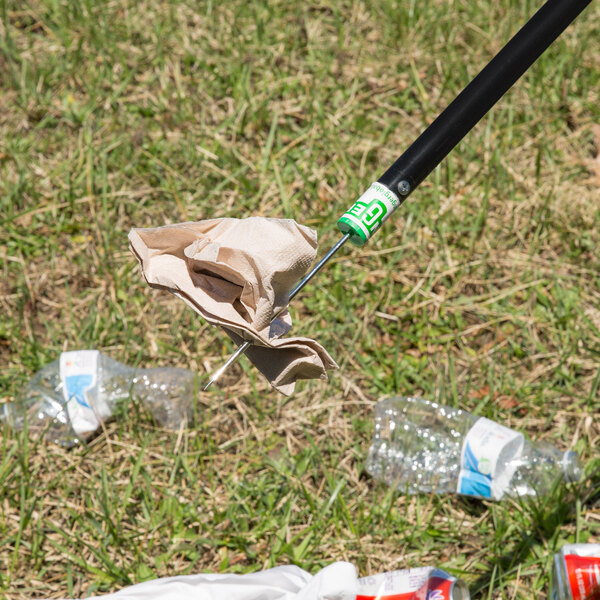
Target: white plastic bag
x=335, y=582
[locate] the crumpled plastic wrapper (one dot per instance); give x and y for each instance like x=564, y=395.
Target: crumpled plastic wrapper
x=238, y=274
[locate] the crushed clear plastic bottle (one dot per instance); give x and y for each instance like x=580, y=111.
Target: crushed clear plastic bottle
x=47, y=408
x=420, y=446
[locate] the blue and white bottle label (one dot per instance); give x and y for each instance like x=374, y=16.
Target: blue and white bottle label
x=485, y=465
x=79, y=376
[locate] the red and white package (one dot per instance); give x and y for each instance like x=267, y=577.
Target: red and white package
x=423, y=583
x=577, y=572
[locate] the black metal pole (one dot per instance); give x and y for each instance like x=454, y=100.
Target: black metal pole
x=480, y=95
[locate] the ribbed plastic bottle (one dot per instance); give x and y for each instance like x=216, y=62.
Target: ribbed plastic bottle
x=69, y=398
x=421, y=446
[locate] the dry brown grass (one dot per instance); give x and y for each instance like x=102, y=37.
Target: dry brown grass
x=482, y=292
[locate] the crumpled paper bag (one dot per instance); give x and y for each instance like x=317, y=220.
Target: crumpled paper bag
x=238, y=273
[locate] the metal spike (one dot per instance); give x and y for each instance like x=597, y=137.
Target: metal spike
x=241, y=349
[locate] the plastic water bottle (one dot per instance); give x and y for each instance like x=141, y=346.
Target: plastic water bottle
x=421, y=446
x=69, y=398
x=576, y=572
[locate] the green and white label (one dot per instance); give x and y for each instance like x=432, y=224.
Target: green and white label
x=368, y=213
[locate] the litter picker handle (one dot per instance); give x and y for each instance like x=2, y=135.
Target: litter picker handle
x=384, y=196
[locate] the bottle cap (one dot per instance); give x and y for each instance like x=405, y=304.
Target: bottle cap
x=459, y=591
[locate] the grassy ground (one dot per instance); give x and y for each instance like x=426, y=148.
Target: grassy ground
x=483, y=292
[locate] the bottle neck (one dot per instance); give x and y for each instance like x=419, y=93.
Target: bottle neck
x=571, y=466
